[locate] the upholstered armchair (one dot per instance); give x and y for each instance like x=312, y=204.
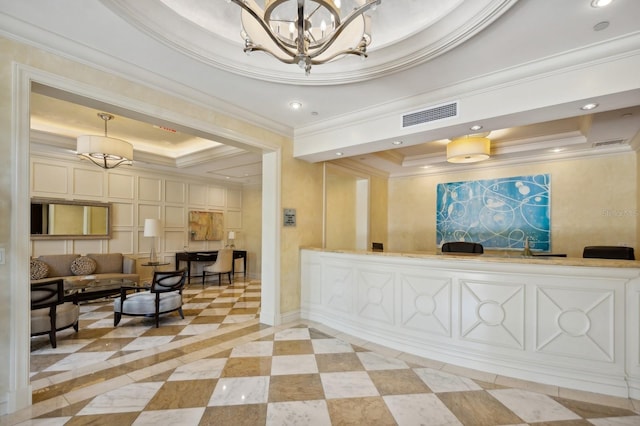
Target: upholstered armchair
x=164, y=296
x=49, y=312
x=223, y=265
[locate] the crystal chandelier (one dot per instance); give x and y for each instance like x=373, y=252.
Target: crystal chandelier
x=306, y=32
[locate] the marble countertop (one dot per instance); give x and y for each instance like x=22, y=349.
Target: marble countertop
x=497, y=256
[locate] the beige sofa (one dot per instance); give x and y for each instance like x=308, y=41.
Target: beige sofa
x=73, y=267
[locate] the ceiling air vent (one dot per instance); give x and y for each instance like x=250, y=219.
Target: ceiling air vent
x=608, y=143
x=428, y=115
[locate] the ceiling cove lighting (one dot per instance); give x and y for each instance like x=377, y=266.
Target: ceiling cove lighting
x=306, y=32
x=469, y=149
x=104, y=151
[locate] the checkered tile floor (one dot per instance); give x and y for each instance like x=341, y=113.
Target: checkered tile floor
x=219, y=366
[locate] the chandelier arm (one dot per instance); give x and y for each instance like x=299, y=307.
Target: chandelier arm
x=256, y=48
x=312, y=13
x=104, y=164
x=339, y=29
x=243, y=4
x=344, y=52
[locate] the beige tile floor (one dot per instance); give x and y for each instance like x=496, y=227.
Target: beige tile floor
x=220, y=366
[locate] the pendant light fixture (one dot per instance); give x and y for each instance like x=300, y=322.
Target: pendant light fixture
x=469, y=148
x=104, y=151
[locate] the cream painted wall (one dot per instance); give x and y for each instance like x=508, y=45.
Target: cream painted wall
x=340, y=211
x=250, y=238
x=593, y=202
x=378, y=209
x=301, y=190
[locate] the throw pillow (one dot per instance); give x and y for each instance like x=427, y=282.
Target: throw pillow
x=83, y=265
x=39, y=269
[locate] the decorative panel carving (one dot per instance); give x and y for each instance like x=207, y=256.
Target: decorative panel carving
x=233, y=219
x=87, y=246
x=337, y=288
x=88, y=182
x=147, y=211
x=576, y=323
x=121, y=242
x=375, y=295
x=174, y=192
x=149, y=189
x=173, y=241
x=175, y=217
x=121, y=186
x=122, y=214
x=426, y=304
x=234, y=199
x=492, y=313
x=216, y=196
x=46, y=178
x=197, y=194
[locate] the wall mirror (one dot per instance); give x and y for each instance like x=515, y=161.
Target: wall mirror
x=69, y=220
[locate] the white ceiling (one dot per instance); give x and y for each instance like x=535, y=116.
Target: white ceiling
x=419, y=47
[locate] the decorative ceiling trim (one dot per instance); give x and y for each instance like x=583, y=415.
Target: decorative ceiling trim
x=160, y=22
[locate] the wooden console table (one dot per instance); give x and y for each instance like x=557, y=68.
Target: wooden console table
x=208, y=256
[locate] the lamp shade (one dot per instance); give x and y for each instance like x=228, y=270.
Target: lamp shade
x=468, y=149
x=104, y=151
x=152, y=227
x=232, y=235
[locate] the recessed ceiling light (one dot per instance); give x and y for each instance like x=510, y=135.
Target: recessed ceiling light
x=314, y=113
x=475, y=127
x=397, y=142
x=339, y=154
x=557, y=150
x=601, y=26
x=295, y=105
x=425, y=167
x=589, y=107
x=600, y=3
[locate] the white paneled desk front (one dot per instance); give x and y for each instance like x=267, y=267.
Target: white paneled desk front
x=566, y=322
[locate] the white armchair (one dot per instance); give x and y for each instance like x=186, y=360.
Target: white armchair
x=164, y=295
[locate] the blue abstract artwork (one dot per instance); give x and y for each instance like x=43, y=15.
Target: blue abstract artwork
x=498, y=213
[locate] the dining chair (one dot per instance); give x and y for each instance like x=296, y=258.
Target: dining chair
x=223, y=265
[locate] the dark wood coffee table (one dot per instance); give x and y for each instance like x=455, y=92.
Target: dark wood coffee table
x=90, y=288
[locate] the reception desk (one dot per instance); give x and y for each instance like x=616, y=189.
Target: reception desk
x=568, y=322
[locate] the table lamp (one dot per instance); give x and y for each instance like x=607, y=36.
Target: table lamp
x=230, y=238
x=152, y=229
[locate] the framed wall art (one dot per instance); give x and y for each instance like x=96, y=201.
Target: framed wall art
x=206, y=226
x=498, y=213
